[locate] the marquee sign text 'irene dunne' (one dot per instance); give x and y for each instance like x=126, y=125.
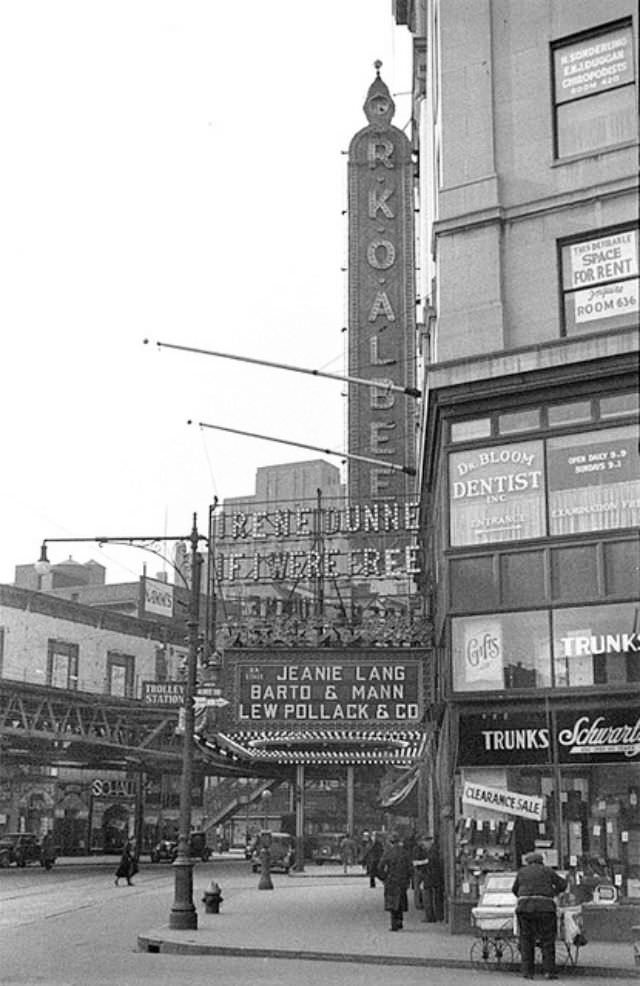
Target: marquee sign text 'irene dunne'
x=269, y=545
x=368, y=690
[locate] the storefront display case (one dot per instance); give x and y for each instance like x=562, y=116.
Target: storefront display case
x=481, y=847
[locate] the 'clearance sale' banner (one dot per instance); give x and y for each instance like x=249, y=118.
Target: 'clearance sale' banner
x=497, y=799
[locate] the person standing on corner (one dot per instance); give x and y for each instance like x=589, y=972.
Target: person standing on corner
x=429, y=877
x=535, y=886
x=372, y=857
x=395, y=870
x=127, y=865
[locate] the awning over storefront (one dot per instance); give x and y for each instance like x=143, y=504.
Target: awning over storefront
x=347, y=747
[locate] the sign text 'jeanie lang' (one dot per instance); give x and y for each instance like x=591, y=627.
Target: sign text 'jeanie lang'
x=305, y=693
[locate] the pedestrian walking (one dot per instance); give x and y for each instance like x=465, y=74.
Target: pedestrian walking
x=372, y=857
x=127, y=866
x=395, y=870
x=348, y=851
x=365, y=844
x=535, y=886
x=428, y=878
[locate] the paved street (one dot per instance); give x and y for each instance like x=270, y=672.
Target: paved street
x=73, y=926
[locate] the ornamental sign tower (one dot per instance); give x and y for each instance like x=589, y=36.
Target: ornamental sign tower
x=381, y=301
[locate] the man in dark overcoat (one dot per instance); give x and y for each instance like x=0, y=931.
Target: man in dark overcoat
x=535, y=886
x=395, y=870
x=429, y=877
x=371, y=858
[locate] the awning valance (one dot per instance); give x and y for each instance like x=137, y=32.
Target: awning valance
x=349, y=747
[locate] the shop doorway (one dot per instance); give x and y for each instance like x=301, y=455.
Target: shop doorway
x=115, y=828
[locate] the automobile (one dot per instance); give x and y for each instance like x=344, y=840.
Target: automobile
x=326, y=847
x=281, y=851
x=23, y=848
x=166, y=850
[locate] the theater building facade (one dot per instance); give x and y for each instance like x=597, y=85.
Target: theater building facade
x=526, y=129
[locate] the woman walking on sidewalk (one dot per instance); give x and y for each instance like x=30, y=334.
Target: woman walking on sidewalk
x=395, y=870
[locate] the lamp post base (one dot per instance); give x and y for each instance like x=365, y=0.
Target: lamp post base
x=265, y=874
x=183, y=915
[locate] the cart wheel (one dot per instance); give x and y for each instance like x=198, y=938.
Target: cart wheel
x=503, y=952
x=479, y=953
x=492, y=951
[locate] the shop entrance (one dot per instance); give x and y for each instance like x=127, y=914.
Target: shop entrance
x=115, y=828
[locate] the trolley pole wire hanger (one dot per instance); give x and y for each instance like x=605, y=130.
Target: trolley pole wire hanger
x=376, y=384
x=409, y=470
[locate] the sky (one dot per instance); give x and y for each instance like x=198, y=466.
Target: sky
x=172, y=170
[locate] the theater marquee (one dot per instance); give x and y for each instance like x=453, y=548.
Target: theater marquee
x=373, y=688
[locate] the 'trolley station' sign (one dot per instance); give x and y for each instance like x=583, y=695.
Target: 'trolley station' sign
x=375, y=690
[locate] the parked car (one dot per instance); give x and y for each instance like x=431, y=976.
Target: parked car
x=281, y=852
x=23, y=848
x=326, y=847
x=166, y=850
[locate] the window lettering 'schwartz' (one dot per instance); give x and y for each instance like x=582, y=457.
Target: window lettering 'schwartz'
x=587, y=736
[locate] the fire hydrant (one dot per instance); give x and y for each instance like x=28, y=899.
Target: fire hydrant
x=212, y=898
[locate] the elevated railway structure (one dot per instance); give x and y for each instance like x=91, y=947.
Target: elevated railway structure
x=59, y=727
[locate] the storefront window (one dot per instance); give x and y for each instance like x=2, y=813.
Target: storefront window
x=600, y=282
x=594, y=91
x=594, y=481
x=503, y=651
x=506, y=812
x=497, y=494
x=596, y=645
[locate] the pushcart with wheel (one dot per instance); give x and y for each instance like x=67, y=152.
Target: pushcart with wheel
x=495, y=924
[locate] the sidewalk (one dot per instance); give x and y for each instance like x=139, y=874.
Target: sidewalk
x=323, y=915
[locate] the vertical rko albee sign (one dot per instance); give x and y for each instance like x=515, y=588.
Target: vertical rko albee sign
x=381, y=301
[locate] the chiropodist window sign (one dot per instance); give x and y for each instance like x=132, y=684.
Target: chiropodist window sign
x=379, y=689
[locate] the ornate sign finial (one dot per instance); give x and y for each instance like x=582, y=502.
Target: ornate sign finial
x=379, y=106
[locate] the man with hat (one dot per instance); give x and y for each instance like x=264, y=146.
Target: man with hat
x=535, y=886
x=395, y=870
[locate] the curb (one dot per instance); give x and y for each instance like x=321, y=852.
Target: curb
x=154, y=944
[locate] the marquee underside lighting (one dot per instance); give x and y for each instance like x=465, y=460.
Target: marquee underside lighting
x=320, y=747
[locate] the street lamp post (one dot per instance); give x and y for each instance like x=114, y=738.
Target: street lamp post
x=265, y=882
x=183, y=914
